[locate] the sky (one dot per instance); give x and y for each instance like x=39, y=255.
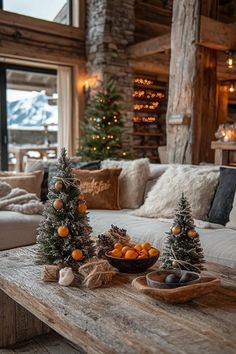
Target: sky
x=15, y=95
x=44, y=9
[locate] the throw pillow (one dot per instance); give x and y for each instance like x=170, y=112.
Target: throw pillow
x=132, y=180
x=31, y=182
x=100, y=187
x=232, y=217
x=198, y=184
x=223, y=200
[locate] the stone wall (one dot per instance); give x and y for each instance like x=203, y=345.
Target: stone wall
x=110, y=29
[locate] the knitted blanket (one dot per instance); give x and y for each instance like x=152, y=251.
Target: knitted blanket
x=17, y=199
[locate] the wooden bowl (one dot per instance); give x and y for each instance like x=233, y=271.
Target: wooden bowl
x=156, y=279
x=131, y=265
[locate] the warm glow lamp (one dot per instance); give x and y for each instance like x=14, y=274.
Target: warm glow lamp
x=229, y=60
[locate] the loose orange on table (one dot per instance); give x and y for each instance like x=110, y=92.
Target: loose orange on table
x=63, y=231
x=77, y=254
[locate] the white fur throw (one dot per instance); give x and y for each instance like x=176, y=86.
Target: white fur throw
x=19, y=200
x=197, y=182
x=132, y=180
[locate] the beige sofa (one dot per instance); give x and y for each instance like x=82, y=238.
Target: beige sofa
x=219, y=243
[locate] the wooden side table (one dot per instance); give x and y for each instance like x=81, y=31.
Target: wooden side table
x=223, y=152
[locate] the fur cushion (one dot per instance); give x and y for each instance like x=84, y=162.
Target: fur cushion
x=132, y=180
x=198, y=184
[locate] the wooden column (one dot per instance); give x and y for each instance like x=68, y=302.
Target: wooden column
x=191, y=113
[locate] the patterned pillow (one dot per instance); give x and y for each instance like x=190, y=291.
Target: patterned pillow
x=100, y=188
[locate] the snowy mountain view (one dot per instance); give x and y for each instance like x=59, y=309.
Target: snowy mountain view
x=30, y=111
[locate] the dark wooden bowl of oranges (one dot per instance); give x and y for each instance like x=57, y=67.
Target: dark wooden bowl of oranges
x=133, y=258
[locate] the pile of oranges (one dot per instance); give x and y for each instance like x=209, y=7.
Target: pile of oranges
x=138, y=251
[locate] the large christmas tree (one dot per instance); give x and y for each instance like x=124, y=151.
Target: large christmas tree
x=64, y=232
x=103, y=129
x=182, y=249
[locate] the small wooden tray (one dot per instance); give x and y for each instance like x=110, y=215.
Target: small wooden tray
x=178, y=295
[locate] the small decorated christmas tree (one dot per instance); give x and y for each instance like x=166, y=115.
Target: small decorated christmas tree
x=103, y=129
x=64, y=232
x=182, y=249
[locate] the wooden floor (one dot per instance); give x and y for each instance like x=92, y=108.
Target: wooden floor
x=51, y=343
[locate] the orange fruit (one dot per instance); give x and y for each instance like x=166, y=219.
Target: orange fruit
x=131, y=254
x=138, y=247
x=142, y=256
x=82, y=208
x=153, y=252
x=146, y=246
x=144, y=253
x=125, y=249
x=63, y=231
x=58, y=204
x=77, y=254
x=118, y=245
x=116, y=253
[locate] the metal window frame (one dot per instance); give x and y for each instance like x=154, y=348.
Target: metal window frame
x=3, y=104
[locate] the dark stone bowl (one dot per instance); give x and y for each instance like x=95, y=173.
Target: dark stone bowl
x=156, y=279
x=131, y=265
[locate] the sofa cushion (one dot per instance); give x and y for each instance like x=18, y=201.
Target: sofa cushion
x=17, y=230
x=198, y=184
x=224, y=197
x=132, y=180
x=100, y=187
x=232, y=217
x=49, y=167
x=31, y=181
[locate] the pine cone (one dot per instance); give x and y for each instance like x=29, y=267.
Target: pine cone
x=104, y=244
x=119, y=235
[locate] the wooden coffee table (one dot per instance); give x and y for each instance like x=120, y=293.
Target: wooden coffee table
x=115, y=319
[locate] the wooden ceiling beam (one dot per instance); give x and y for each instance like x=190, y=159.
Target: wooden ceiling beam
x=149, y=47
x=151, y=67
x=217, y=35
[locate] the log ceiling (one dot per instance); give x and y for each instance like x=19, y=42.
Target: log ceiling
x=152, y=36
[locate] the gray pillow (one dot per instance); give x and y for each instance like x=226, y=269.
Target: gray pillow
x=224, y=196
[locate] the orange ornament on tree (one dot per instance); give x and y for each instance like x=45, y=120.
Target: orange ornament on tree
x=58, y=204
x=82, y=208
x=58, y=186
x=63, y=231
x=176, y=229
x=77, y=255
x=192, y=233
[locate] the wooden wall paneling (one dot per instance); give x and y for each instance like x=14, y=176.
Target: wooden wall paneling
x=24, y=37
x=149, y=47
x=222, y=103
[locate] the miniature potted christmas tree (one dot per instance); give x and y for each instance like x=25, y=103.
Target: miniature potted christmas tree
x=182, y=249
x=64, y=232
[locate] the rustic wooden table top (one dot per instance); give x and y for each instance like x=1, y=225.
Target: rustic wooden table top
x=118, y=319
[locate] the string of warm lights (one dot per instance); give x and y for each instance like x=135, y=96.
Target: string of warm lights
x=144, y=119
x=147, y=94
x=152, y=106
x=141, y=81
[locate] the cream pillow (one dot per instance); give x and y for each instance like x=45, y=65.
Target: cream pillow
x=132, y=180
x=197, y=182
x=31, y=181
x=232, y=217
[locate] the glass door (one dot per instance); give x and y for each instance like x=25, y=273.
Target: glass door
x=29, y=115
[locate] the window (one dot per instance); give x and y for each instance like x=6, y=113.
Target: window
x=29, y=119
x=54, y=10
